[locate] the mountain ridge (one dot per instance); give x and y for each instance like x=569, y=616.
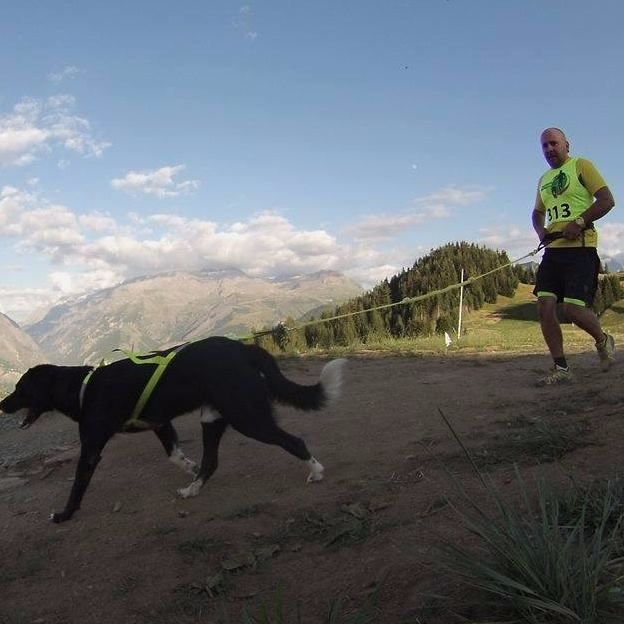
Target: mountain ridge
x=151, y=312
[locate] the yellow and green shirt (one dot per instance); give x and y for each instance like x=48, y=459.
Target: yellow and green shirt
x=564, y=194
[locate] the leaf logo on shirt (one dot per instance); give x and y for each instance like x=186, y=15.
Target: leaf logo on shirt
x=559, y=184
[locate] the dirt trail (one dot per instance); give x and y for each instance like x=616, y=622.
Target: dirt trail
x=135, y=553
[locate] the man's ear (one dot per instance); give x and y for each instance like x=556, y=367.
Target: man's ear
x=567, y=147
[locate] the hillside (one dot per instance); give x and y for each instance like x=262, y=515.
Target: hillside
x=18, y=351
x=152, y=312
x=390, y=315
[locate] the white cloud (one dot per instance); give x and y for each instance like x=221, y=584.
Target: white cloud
x=157, y=182
x=97, y=222
x=243, y=22
x=69, y=71
x=66, y=283
x=434, y=206
x=611, y=238
x=13, y=202
x=94, y=250
x=20, y=303
x=454, y=196
x=507, y=236
x=38, y=126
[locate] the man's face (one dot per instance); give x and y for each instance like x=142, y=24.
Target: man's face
x=555, y=148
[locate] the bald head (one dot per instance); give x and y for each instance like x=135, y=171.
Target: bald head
x=555, y=146
x=558, y=131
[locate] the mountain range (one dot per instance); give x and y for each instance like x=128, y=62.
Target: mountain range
x=18, y=351
x=153, y=312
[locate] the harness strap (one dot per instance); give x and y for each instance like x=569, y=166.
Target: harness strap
x=161, y=361
x=83, y=387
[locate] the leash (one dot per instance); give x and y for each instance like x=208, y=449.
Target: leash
x=549, y=238
x=281, y=328
x=162, y=361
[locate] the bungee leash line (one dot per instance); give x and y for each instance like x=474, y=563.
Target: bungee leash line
x=549, y=238
x=162, y=361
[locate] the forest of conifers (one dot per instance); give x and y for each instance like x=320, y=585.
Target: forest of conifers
x=440, y=268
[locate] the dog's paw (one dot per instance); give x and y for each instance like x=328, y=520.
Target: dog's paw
x=313, y=477
x=191, y=490
x=191, y=467
x=57, y=518
x=183, y=462
x=316, y=470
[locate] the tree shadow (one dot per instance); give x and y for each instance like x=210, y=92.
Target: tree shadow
x=520, y=312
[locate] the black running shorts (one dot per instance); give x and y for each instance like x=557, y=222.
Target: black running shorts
x=570, y=274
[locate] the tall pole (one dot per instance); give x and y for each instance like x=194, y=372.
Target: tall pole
x=461, y=301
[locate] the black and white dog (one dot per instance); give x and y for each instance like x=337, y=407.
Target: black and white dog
x=229, y=382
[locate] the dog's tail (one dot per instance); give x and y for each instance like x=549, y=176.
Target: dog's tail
x=284, y=390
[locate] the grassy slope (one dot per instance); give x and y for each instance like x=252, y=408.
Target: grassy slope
x=507, y=326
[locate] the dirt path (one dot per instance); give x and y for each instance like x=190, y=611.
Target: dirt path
x=135, y=553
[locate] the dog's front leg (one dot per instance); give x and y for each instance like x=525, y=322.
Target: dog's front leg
x=169, y=439
x=211, y=435
x=89, y=459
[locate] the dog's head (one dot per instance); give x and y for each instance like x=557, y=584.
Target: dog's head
x=32, y=394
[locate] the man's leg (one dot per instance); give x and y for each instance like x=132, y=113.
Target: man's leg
x=551, y=330
x=581, y=286
x=549, y=323
x=588, y=321
x=585, y=318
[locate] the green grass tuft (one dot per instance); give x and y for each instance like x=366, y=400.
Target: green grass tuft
x=553, y=560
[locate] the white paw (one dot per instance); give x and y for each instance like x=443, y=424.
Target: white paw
x=190, y=490
x=316, y=470
x=190, y=466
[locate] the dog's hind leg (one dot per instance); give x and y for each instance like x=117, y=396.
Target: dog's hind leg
x=169, y=439
x=272, y=434
x=297, y=447
x=211, y=435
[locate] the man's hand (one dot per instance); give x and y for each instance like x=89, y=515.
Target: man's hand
x=572, y=231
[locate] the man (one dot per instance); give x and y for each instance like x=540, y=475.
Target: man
x=571, y=196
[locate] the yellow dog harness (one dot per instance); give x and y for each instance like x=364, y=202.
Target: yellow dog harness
x=161, y=362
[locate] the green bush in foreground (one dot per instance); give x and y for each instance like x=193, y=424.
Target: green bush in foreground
x=558, y=560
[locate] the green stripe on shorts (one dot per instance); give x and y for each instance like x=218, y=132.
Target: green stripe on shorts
x=577, y=302
x=545, y=293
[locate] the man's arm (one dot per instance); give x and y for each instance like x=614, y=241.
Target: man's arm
x=592, y=180
x=604, y=202
x=602, y=205
x=539, y=216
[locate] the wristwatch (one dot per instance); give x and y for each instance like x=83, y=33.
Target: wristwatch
x=580, y=222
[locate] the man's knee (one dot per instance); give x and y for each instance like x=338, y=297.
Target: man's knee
x=546, y=307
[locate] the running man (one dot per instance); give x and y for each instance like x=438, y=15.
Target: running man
x=571, y=196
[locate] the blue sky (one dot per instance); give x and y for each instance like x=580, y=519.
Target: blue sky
x=285, y=137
